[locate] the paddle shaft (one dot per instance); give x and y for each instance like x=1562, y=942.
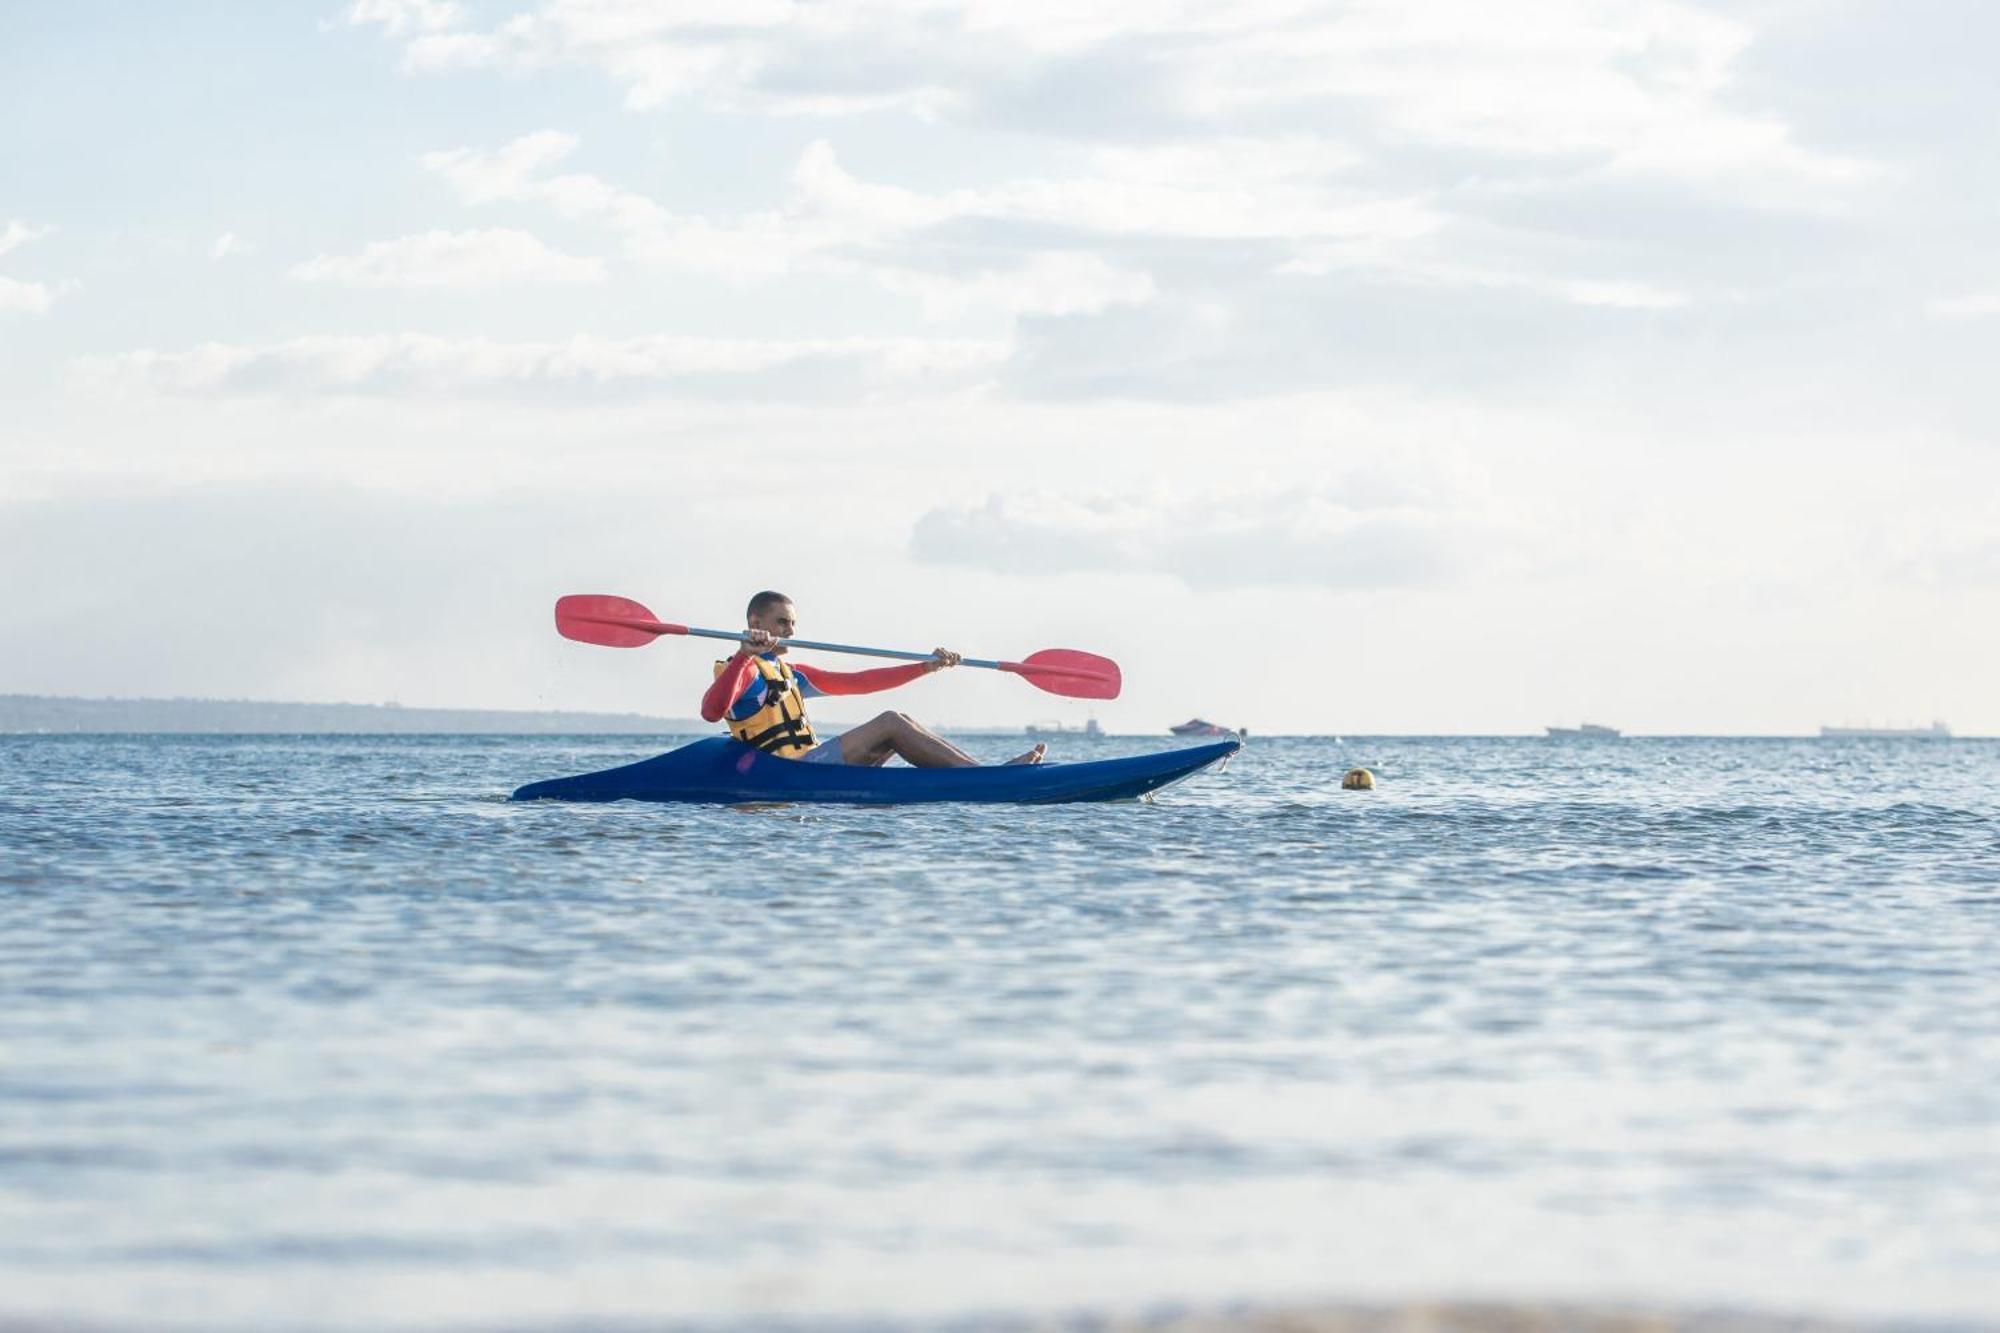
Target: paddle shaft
x=856, y=649
x=736, y=636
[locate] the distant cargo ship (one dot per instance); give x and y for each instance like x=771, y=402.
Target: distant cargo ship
x=1589, y=731
x=1196, y=726
x=1089, y=729
x=1936, y=731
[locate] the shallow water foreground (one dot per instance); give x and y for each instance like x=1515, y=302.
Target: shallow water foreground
x=323, y=1033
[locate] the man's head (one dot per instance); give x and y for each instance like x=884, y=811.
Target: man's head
x=772, y=612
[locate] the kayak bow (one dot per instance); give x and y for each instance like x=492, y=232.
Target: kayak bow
x=727, y=772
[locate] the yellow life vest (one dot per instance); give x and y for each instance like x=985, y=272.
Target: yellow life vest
x=780, y=726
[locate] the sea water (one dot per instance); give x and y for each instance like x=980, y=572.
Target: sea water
x=322, y=1032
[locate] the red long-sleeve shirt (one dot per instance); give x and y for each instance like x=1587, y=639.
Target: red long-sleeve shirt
x=739, y=690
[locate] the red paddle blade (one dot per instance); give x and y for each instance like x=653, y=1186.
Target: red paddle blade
x=614, y=622
x=1069, y=672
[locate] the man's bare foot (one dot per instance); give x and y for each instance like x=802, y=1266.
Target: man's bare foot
x=1033, y=756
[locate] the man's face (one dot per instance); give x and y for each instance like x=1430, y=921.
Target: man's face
x=779, y=619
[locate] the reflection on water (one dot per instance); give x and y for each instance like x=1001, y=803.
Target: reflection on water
x=324, y=1032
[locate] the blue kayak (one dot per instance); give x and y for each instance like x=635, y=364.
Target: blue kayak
x=728, y=772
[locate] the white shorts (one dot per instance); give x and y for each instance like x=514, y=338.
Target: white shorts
x=826, y=752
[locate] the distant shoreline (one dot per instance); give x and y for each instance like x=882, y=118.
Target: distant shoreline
x=51, y=714
x=54, y=714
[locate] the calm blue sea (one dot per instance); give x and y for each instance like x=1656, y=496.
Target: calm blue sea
x=321, y=1032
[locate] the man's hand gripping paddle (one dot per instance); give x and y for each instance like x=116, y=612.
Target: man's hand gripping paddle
x=620, y=622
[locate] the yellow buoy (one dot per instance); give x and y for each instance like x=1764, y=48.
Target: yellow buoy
x=1358, y=779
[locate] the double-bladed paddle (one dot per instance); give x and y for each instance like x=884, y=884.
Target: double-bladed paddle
x=620, y=622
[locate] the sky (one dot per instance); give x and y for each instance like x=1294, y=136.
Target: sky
x=1385, y=366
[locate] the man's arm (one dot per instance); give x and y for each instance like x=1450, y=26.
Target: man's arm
x=736, y=675
x=870, y=681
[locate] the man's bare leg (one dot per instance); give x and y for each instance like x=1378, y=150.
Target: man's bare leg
x=875, y=740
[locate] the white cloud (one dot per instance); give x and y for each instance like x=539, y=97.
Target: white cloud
x=1948, y=559
x=759, y=245
x=1466, y=155
x=32, y=297
x=1451, y=148
x=422, y=364
x=1642, y=87
x=1618, y=293
x=17, y=233
x=400, y=17
x=835, y=221
x=1971, y=305
x=1360, y=535
x=508, y=173
x=664, y=51
x=224, y=246
x=487, y=258
x=1637, y=87
x=1254, y=190
x=1056, y=283
x=1285, y=190
x=1257, y=205
x=16, y=293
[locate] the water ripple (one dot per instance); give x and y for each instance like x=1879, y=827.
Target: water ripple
x=323, y=1032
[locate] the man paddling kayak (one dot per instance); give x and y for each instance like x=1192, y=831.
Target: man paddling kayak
x=762, y=698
